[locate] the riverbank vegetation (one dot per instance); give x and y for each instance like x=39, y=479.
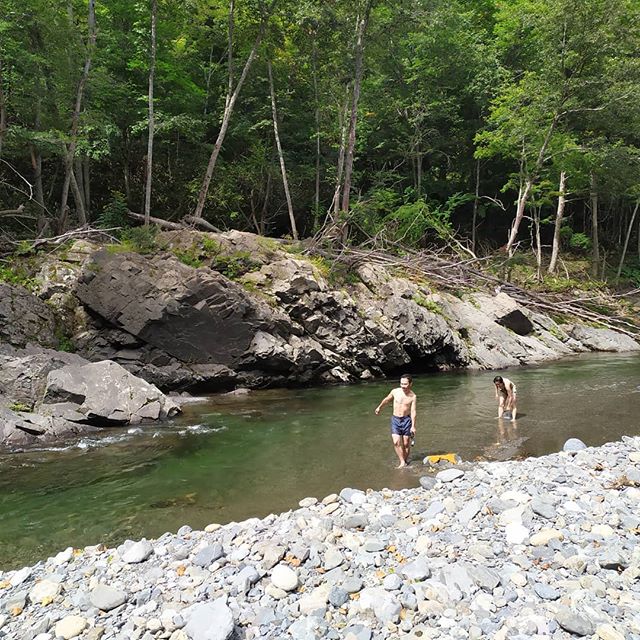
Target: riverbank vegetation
x=504, y=132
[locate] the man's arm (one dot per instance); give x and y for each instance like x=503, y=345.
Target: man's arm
x=414, y=412
x=386, y=400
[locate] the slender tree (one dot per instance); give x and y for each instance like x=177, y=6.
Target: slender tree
x=70, y=149
x=555, y=248
x=230, y=101
x=283, y=169
x=362, y=22
x=152, y=68
x=626, y=239
x=3, y=108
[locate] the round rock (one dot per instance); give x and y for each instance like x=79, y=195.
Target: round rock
x=284, y=578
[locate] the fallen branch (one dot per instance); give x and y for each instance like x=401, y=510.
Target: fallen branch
x=157, y=221
x=14, y=212
x=201, y=222
x=454, y=274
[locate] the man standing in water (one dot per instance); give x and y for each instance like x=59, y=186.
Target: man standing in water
x=403, y=420
x=506, y=396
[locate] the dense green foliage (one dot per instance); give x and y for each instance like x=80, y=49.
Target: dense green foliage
x=462, y=102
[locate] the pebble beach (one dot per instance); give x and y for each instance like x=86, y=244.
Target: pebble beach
x=537, y=548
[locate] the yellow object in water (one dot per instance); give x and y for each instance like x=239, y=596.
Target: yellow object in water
x=453, y=458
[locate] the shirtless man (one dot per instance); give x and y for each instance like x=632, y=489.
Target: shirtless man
x=506, y=396
x=403, y=420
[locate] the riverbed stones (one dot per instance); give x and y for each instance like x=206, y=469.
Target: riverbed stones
x=45, y=591
x=135, y=552
x=106, y=597
x=70, y=627
x=573, y=445
x=426, y=572
x=209, y=621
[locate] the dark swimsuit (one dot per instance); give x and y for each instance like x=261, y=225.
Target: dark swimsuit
x=401, y=425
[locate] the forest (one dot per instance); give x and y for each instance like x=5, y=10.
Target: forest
x=487, y=126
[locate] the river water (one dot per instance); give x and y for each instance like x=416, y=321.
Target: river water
x=236, y=457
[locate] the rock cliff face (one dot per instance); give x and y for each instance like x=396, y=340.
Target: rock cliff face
x=280, y=320
x=285, y=322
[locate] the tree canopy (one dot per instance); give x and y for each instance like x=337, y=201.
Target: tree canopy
x=419, y=117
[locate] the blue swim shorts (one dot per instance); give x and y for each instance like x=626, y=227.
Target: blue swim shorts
x=401, y=425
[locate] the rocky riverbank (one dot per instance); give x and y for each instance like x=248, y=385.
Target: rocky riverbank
x=209, y=312
x=541, y=548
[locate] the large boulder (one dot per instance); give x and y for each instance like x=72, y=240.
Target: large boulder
x=23, y=372
x=25, y=319
x=103, y=394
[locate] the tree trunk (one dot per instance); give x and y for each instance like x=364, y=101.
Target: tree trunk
x=75, y=119
x=476, y=202
x=316, y=198
x=555, y=249
x=230, y=102
x=283, y=169
x=523, y=197
x=418, y=170
x=538, y=244
x=626, y=240
x=36, y=166
x=595, y=251
x=265, y=204
x=357, y=82
x=3, y=109
x=86, y=177
x=335, y=203
x=77, y=196
x=77, y=170
x=152, y=70
x=526, y=192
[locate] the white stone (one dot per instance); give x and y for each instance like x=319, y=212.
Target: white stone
x=284, y=578
x=45, y=590
x=516, y=533
x=423, y=543
x=209, y=620
x=63, y=557
x=210, y=528
x=603, y=530
x=509, y=516
x=544, y=537
x=20, y=576
x=519, y=579
x=307, y=502
x=331, y=498
x=608, y=632
x=275, y=592
x=70, y=627
x=516, y=496
x=315, y=600
x=137, y=552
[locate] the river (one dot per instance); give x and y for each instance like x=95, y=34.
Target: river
x=231, y=458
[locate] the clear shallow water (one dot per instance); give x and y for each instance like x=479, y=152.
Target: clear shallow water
x=236, y=457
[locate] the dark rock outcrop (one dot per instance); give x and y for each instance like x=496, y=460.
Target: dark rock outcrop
x=25, y=319
x=195, y=315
